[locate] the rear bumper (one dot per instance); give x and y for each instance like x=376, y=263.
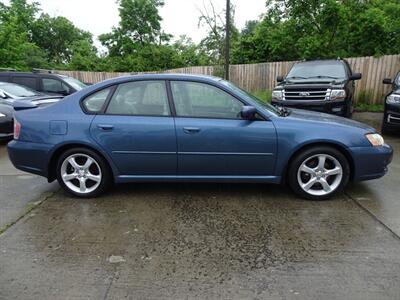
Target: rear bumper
x=30, y=157
x=330, y=107
x=371, y=162
x=6, y=127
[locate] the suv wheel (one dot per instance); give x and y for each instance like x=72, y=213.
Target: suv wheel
x=319, y=173
x=83, y=173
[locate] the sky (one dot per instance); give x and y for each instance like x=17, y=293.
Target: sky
x=179, y=16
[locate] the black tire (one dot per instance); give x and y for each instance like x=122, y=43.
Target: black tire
x=301, y=157
x=106, y=174
x=349, y=110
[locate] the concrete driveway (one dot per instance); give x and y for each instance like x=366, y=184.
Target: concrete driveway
x=199, y=241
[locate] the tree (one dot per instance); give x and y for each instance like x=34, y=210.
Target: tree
x=16, y=49
x=56, y=36
x=140, y=26
x=214, y=43
x=309, y=29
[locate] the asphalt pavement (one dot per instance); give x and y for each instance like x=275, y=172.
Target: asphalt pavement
x=182, y=241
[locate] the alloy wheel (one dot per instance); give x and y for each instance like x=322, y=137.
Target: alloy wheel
x=81, y=173
x=320, y=175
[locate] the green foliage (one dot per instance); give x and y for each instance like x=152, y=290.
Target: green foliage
x=293, y=30
x=288, y=30
x=264, y=96
x=57, y=37
x=362, y=107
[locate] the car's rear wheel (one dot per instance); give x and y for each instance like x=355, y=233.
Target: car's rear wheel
x=83, y=173
x=319, y=173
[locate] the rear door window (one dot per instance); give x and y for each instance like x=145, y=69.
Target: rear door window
x=28, y=81
x=140, y=98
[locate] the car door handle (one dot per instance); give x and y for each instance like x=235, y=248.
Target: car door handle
x=105, y=127
x=191, y=130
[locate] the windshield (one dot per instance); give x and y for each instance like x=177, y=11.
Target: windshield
x=267, y=106
x=76, y=84
x=397, y=80
x=321, y=70
x=17, y=90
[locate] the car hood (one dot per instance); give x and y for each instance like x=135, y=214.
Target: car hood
x=328, y=119
x=310, y=83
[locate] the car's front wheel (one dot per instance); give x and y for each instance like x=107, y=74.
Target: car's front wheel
x=83, y=173
x=319, y=173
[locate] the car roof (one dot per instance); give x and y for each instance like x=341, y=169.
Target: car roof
x=321, y=61
x=8, y=73
x=168, y=76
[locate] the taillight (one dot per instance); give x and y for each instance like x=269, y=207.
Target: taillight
x=17, y=129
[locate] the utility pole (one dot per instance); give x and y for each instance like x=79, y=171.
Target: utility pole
x=227, y=38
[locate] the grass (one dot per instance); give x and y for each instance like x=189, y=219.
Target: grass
x=366, y=107
x=265, y=96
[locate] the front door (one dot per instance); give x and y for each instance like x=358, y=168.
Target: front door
x=137, y=130
x=212, y=138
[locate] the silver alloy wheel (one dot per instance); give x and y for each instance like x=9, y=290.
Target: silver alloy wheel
x=320, y=175
x=81, y=173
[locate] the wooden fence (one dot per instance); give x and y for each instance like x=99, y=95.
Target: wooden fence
x=262, y=77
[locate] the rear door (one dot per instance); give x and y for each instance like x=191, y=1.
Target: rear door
x=137, y=130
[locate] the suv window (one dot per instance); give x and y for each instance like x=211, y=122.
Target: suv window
x=95, y=102
x=140, y=98
x=4, y=78
x=193, y=99
x=26, y=81
x=318, y=69
x=54, y=86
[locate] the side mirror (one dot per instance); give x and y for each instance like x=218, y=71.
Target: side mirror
x=248, y=112
x=387, y=81
x=356, y=76
x=280, y=78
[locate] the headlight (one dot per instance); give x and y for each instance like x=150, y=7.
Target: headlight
x=393, y=99
x=277, y=95
x=337, y=95
x=2, y=115
x=375, y=139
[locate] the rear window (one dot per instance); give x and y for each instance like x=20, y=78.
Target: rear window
x=26, y=81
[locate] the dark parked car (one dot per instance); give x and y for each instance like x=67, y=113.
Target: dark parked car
x=6, y=122
x=191, y=128
x=391, y=119
x=9, y=94
x=320, y=85
x=45, y=82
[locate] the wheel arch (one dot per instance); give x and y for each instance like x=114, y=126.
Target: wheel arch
x=341, y=148
x=51, y=167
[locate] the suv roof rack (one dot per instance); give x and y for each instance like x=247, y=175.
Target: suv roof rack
x=7, y=70
x=42, y=71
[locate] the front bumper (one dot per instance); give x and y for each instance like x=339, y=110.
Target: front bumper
x=330, y=107
x=392, y=116
x=30, y=157
x=371, y=162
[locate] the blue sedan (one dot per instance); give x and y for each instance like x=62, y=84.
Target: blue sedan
x=191, y=128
